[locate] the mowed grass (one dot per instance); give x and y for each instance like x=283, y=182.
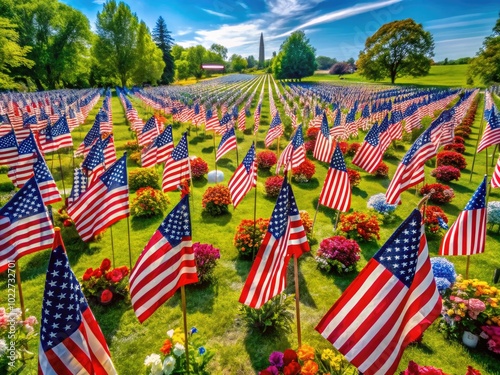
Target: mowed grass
x=214, y=309
x=439, y=76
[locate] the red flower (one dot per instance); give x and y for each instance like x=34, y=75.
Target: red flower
x=97, y=273
x=472, y=371
x=115, y=275
x=293, y=368
x=67, y=223
x=265, y=372
x=106, y=296
x=88, y=274
x=289, y=356
x=105, y=264
x=124, y=270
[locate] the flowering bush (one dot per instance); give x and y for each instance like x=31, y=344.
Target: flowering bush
x=136, y=157
x=446, y=173
x=304, y=172
x=309, y=146
x=359, y=225
x=468, y=306
x=492, y=334
x=249, y=235
x=307, y=361
x=266, y=159
x=451, y=158
x=442, y=193
x=312, y=133
x=274, y=315
x=338, y=254
x=104, y=285
x=15, y=333
x=414, y=369
x=354, y=177
x=143, y=177
x=307, y=223
x=173, y=358
x=432, y=221
x=353, y=148
x=457, y=147
x=494, y=213
x=273, y=186
x=444, y=273
x=149, y=202
x=379, y=204
x=457, y=139
x=343, y=147
x=382, y=170
x=131, y=146
x=216, y=199
x=206, y=257
x=199, y=167
x=462, y=131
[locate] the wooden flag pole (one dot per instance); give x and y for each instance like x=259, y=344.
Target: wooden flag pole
x=184, y=316
x=314, y=220
x=112, y=246
x=129, y=247
x=254, y=222
x=493, y=156
x=297, y=303
x=62, y=174
x=237, y=159
x=477, y=144
x=467, y=268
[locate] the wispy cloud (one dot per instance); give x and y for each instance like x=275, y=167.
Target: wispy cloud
x=452, y=25
x=232, y=35
x=99, y=2
x=287, y=8
x=440, y=21
x=458, y=47
x=242, y=4
x=184, y=31
x=214, y=13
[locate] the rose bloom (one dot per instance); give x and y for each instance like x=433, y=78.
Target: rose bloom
x=124, y=270
x=293, y=368
x=305, y=352
x=105, y=264
x=97, y=273
x=88, y=274
x=106, y=296
x=116, y=275
x=309, y=368
x=289, y=355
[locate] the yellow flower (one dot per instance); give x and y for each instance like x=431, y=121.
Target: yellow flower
x=450, y=312
x=305, y=352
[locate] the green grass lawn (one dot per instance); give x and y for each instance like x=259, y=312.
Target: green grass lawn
x=439, y=76
x=214, y=309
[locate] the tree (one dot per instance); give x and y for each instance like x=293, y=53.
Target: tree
x=148, y=55
x=296, y=58
x=340, y=68
x=177, y=51
x=194, y=56
x=397, y=49
x=11, y=54
x=164, y=41
x=251, y=62
x=325, y=63
x=182, y=68
x=486, y=64
x=238, y=63
x=219, y=50
x=117, y=31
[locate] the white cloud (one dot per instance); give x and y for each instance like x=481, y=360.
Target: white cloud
x=231, y=36
x=288, y=8
x=184, y=31
x=449, y=25
x=99, y=2
x=242, y=4
x=222, y=15
x=445, y=20
x=458, y=47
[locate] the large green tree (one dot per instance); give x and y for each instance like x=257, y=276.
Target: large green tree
x=12, y=55
x=164, y=41
x=487, y=62
x=238, y=63
x=116, y=45
x=325, y=63
x=397, y=49
x=296, y=58
x=220, y=50
x=148, y=55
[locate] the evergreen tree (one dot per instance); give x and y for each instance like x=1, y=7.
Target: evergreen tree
x=164, y=41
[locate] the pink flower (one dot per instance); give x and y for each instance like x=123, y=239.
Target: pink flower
x=475, y=307
x=31, y=320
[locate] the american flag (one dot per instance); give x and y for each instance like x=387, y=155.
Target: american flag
x=57, y=136
x=46, y=183
x=323, y=149
x=294, y=153
x=285, y=237
x=22, y=170
x=336, y=191
x=93, y=134
x=369, y=155
x=79, y=186
x=211, y=120
x=410, y=171
x=71, y=341
x=226, y=122
x=388, y=305
x=150, y=130
x=166, y=263
x=242, y=120
x=29, y=120
x=467, y=235
x=338, y=131
x=8, y=149
x=227, y=143
x=495, y=178
x=109, y=150
x=94, y=163
x=105, y=119
x=177, y=167
x=275, y=130
x=491, y=133
x=256, y=117
x=244, y=177
x=384, y=134
x=104, y=203
x=411, y=117
x=25, y=225
x=395, y=127
x=72, y=120
x=159, y=149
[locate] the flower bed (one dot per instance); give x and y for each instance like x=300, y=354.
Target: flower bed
x=379, y=204
x=273, y=186
x=434, y=219
x=382, y=170
x=149, y=202
x=451, y=158
x=457, y=147
x=353, y=148
x=143, y=177
x=199, y=167
x=354, y=177
x=205, y=256
x=266, y=159
x=104, y=285
x=446, y=173
x=304, y=172
x=359, y=225
x=442, y=193
x=415, y=369
x=338, y=254
x=493, y=214
x=216, y=200
x=247, y=239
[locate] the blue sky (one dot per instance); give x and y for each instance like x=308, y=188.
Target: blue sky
x=335, y=28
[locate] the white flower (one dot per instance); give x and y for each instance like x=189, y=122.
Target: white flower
x=152, y=359
x=179, y=349
x=3, y=346
x=170, y=333
x=168, y=365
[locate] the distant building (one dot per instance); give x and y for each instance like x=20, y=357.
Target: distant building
x=261, y=51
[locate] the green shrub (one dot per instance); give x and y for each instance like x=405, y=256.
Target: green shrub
x=149, y=202
x=4, y=169
x=6, y=187
x=273, y=315
x=4, y=198
x=143, y=177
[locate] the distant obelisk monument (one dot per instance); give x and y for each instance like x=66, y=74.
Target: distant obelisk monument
x=261, y=51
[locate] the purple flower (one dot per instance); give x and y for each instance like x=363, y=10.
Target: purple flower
x=276, y=359
x=272, y=369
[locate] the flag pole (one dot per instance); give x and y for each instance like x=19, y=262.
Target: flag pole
x=336, y=221
x=129, y=247
x=62, y=174
x=314, y=220
x=112, y=246
x=493, y=156
x=184, y=317
x=477, y=144
x=254, y=221
x=297, y=303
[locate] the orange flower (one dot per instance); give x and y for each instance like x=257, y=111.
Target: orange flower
x=167, y=346
x=309, y=368
x=305, y=352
